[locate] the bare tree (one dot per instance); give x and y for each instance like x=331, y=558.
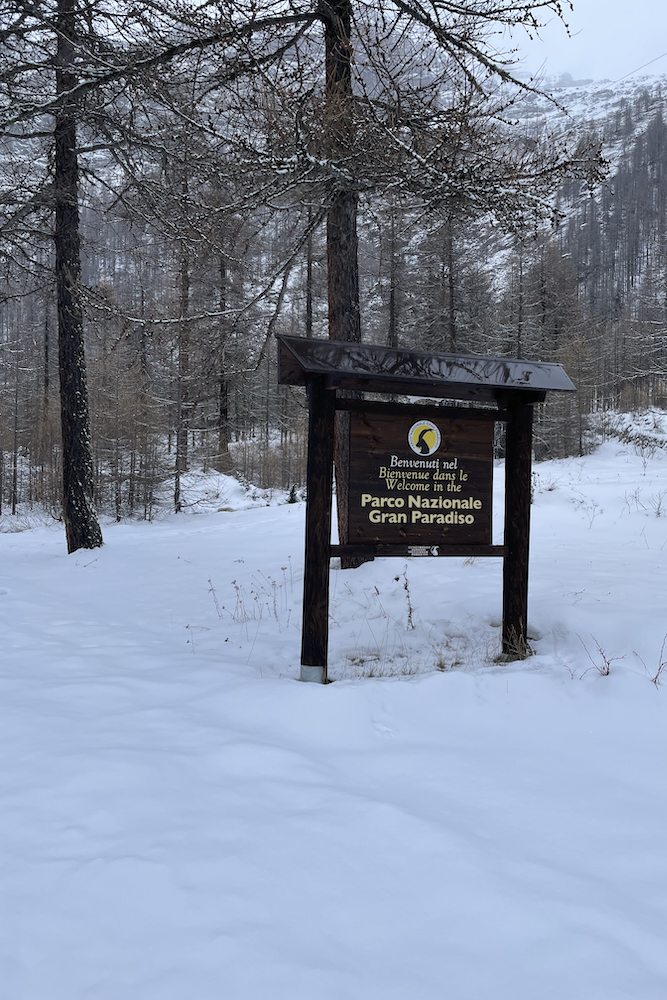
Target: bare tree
x=95, y=51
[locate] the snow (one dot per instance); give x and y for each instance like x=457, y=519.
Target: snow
x=182, y=820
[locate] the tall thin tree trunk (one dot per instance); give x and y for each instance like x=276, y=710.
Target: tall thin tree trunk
x=451, y=285
x=343, y=273
x=15, y=456
x=342, y=258
x=309, y=280
x=143, y=344
x=44, y=432
x=46, y=379
x=267, y=412
x=393, y=275
x=519, y=322
x=81, y=526
x=182, y=392
x=222, y=463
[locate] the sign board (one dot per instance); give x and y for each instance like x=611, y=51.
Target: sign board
x=418, y=481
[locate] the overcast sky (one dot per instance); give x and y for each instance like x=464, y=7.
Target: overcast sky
x=611, y=38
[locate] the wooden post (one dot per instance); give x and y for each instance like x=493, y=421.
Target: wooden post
x=518, y=454
x=315, y=627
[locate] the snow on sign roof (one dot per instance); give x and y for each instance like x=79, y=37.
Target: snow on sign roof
x=374, y=368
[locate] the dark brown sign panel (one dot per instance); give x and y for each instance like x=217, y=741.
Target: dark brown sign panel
x=420, y=481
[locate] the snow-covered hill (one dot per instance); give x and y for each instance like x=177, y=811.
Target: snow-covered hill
x=596, y=103
x=182, y=820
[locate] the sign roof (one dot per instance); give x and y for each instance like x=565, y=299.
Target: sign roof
x=374, y=368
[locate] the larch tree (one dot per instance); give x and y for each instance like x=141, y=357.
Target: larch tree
x=416, y=99
x=64, y=66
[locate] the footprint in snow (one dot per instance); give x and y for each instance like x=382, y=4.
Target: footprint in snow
x=384, y=730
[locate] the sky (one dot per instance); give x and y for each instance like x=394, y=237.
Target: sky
x=611, y=39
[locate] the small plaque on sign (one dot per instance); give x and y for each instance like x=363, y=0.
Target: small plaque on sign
x=425, y=482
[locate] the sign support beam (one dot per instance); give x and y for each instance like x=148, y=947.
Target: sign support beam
x=518, y=455
x=315, y=628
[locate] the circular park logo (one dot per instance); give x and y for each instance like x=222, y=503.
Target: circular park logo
x=424, y=438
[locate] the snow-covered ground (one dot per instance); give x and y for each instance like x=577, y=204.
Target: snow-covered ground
x=181, y=820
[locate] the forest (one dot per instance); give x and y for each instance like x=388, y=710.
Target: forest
x=180, y=184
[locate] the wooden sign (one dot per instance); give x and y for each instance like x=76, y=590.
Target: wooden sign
x=420, y=481
x=419, y=478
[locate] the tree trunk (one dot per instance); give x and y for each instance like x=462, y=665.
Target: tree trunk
x=44, y=420
x=183, y=384
x=342, y=261
x=309, y=281
x=451, y=287
x=15, y=456
x=81, y=525
x=343, y=270
x=222, y=463
x=520, y=304
x=393, y=273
